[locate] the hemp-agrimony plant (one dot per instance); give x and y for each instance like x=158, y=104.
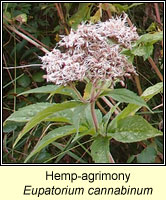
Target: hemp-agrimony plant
x=91, y=54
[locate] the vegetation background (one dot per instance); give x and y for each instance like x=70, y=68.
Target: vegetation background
x=32, y=29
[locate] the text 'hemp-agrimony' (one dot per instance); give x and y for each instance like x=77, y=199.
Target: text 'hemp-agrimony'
x=92, y=51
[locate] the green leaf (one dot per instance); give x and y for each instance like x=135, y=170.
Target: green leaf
x=143, y=46
x=24, y=81
x=7, y=17
x=53, y=89
x=152, y=91
x=121, y=7
x=100, y=150
x=87, y=91
x=65, y=90
x=152, y=27
x=143, y=50
x=44, y=155
x=67, y=152
x=148, y=155
x=125, y=95
x=131, y=109
x=133, y=129
x=82, y=14
x=44, y=89
x=76, y=116
x=44, y=114
x=52, y=136
x=134, y=4
x=87, y=132
x=61, y=116
x=96, y=17
x=107, y=117
x=151, y=38
x=131, y=159
x=9, y=127
x=27, y=113
x=129, y=54
x=88, y=117
x=68, y=7
x=126, y=7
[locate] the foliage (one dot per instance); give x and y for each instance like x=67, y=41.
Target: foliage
x=48, y=123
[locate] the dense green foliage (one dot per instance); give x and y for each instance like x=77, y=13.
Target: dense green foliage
x=46, y=123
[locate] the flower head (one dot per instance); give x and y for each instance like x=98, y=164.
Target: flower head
x=88, y=53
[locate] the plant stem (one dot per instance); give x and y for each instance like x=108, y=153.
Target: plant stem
x=155, y=68
x=23, y=66
x=108, y=10
x=32, y=37
x=101, y=108
x=157, y=12
x=92, y=106
x=109, y=104
x=61, y=16
x=12, y=28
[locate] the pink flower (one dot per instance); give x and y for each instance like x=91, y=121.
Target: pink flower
x=90, y=53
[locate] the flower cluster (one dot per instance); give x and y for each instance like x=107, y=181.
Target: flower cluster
x=92, y=51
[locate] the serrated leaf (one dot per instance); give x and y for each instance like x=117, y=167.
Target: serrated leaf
x=27, y=113
x=52, y=136
x=43, y=89
x=125, y=95
x=151, y=38
x=148, y=155
x=100, y=150
x=76, y=116
x=152, y=90
x=133, y=129
x=53, y=89
x=65, y=90
x=44, y=114
x=131, y=109
x=143, y=50
x=61, y=116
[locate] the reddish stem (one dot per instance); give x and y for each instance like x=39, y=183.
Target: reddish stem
x=157, y=12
